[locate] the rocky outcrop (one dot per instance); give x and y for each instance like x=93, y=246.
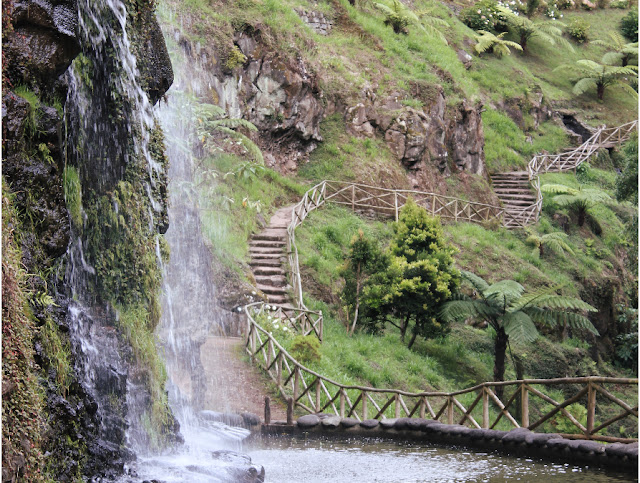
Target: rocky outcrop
x=316, y=21
x=43, y=42
x=275, y=92
x=435, y=136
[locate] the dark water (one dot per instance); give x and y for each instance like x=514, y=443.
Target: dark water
x=316, y=460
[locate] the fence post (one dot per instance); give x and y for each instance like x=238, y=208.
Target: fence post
x=455, y=209
x=279, y=369
x=318, y=395
x=290, y=404
x=591, y=409
x=485, y=408
x=269, y=349
x=450, y=410
x=397, y=413
x=364, y=406
x=296, y=383
x=353, y=197
x=423, y=405
x=252, y=339
x=341, y=403
x=267, y=410
x=524, y=406
x=395, y=202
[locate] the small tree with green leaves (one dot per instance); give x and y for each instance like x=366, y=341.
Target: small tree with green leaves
x=419, y=279
x=525, y=29
x=487, y=41
x=363, y=260
x=620, y=52
x=513, y=315
x=579, y=199
x=590, y=74
x=556, y=242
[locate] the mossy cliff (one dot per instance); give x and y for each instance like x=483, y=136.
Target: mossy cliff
x=83, y=217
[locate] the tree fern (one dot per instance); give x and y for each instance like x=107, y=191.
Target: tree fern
x=525, y=29
x=495, y=43
x=589, y=74
x=620, y=52
x=556, y=241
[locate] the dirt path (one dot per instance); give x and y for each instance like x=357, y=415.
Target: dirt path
x=233, y=385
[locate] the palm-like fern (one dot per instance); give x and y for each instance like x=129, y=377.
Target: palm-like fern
x=592, y=74
x=514, y=314
x=579, y=199
x=495, y=43
x=398, y=16
x=525, y=29
x=620, y=51
x=556, y=242
x=211, y=118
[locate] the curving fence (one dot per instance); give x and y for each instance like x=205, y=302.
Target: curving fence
x=529, y=403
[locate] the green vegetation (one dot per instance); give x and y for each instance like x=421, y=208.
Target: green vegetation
x=418, y=278
x=579, y=199
x=629, y=25
x=589, y=74
x=556, y=242
x=73, y=195
x=494, y=43
x=513, y=315
x=525, y=30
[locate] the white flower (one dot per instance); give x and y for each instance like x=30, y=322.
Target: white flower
x=276, y=326
x=253, y=292
x=267, y=307
x=479, y=11
x=285, y=329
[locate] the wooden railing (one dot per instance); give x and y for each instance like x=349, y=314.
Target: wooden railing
x=383, y=202
x=528, y=403
x=570, y=160
x=300, y=321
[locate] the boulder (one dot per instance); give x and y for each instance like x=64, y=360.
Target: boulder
x=250, y=419
x=369, y=423
x=591, y=447
x=332, y=422
x=388, y=423
x=349, y=422
x=308, y=421
x=540, y=439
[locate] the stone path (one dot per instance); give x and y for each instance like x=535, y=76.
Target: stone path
x=268, y=257
x=233, y=385
x=514, y=191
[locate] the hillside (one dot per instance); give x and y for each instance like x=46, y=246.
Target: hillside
x=335, y=93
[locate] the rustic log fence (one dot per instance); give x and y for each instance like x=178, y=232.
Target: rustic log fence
x=528, y=402
x=570, y=160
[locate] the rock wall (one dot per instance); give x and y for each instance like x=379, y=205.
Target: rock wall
x=40, y=41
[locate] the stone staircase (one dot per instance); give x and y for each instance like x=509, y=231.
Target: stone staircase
x=514, y=191
x=268, y=257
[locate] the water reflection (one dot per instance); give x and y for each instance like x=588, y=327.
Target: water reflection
x=372, y=460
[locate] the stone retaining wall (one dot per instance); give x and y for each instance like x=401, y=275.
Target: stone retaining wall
x=517, y=442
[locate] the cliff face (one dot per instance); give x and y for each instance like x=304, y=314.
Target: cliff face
x=47, y=180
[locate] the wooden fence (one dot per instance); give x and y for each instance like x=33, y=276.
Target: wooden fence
x=528, y=403
x=570, y=160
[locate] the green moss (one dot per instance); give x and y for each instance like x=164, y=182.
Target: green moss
x=31, y=123
x=73, y=195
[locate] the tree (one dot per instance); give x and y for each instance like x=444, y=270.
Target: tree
x=557, y=242
x=579, y=199
x=420, y=277
x=525, y=29
x=620, y=52
x=495, y=43
x=590, y=74
x=363, y=260
x=513, y=314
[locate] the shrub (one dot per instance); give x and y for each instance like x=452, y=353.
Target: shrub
x=484, y=15
x=578, y=30
x=622, y=4
x=629, y=26
x=306, y=348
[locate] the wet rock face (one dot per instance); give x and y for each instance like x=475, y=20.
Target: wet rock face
x=43, y=42
x=153, y=58
x=275, y=92
x=432, y=136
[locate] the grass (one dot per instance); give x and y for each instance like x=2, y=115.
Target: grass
x=73, y=195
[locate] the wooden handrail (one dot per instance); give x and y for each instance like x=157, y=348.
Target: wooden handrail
x=297, y=381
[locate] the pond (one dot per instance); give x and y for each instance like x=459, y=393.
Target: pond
x=319, y=460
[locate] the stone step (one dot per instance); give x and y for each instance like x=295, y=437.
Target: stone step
x=510, y=182
x=271, y=280
x=267, y=289
x=513, y=189
x=266, y=262
x=277, y=299
x=265, y=251
x=268, y=270
x=513, y=196
x=271, y=235
x=267, y=243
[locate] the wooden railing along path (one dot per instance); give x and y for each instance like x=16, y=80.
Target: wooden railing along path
x=527, y=405
x=570, y=160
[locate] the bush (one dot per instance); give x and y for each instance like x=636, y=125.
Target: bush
x=629, y=26
x=578, y=30
x=622, y=4
x=306, y=348
x=484, y=15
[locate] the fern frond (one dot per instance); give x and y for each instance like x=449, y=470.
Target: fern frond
x=509, y=289
x=552, y=301
x=476, y=282
x=519, y=327
x=627, y=88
